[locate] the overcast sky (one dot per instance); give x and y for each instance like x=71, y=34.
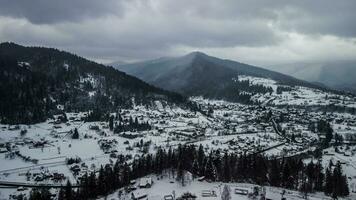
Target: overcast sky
x=260, y=32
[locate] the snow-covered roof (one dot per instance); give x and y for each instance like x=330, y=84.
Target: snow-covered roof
x=145, y=181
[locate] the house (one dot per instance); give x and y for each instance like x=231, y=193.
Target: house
x=168, y=197
x=58, y=176
x=347, y=153
x=208, y=193
x=3, y=150
x=241, y=191
x=274, y=196
x=75, y=168
x=131, y=188
x=138, y=195
x=187, y=196
x=146, y=182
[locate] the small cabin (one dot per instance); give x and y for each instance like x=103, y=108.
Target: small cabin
x=145, y=182
x=3, y=150
x=201, y=178
x=208, y=193
x=347, y=153
x=138, y=195
x=187, y=196
x=168, y=197
x=241, y=191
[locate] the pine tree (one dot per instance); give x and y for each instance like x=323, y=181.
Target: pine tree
x=201, y=158
x=92, y=190
x=111, y=123
x=195, y=168
x=120, y=118
x=130, y=121
x=241, y=168
x=210, y=171
x=260, y=169
x=325, y=127
x=101, y=181
x=275, y=174
x=328, y=182
x=319, y=177
x=83, y=191
x=61, y=194
x=286, y=176
x=180, y=173
x=68, y=191
x=75, y=134
x=340, y=186
x=126, y=174
x=226, y=169
x=344, y=186
x=40, y=194
x=310, y=177
x=136, y=122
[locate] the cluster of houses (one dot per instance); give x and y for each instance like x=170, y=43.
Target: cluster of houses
x=139, y=190
x=39, y=175
x=245, y=124
x=108, y=145
x=145, y=182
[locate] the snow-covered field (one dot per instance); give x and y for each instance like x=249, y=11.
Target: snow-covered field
x=301, y=96
x=168, y=186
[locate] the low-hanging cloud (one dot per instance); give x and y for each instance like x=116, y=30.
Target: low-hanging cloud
x=49, y=12
x=252, y=31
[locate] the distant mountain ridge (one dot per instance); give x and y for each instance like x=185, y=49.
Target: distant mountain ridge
x=200, y=74
x=336, y=74
x=35, y=80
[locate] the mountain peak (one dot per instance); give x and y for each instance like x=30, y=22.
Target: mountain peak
x=196, y=53
x=198, y=74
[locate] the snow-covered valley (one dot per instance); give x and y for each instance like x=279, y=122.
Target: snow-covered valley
x=40, y=153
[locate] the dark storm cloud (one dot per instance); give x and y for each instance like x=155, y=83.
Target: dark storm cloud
x=54, y=11
x=314, y=17
x=320, y=17
x=143, y=29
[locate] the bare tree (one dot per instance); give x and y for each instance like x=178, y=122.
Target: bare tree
x=226, y=193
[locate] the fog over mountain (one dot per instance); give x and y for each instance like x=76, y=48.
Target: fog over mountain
x=337, y=74
x=197, y=74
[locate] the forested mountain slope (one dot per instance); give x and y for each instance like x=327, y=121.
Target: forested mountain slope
x=37, y=82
